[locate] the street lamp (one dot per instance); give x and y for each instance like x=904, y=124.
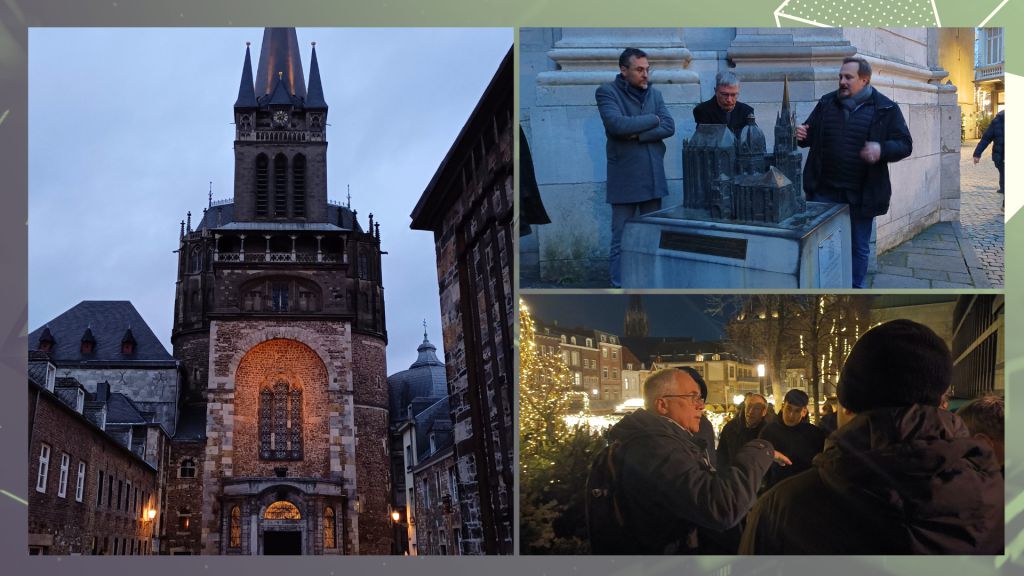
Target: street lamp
x=760, y=375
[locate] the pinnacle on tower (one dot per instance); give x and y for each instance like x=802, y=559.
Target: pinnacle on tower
x=315, y=96
x=246, y=94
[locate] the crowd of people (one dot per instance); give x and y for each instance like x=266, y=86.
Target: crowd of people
x=888, y=469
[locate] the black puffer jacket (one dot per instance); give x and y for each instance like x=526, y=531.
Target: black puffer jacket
x=669, y=489
x=888, y=128
x=893, y=481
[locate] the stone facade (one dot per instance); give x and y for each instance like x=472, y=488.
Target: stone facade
x=561, y=68
x=280, y=326
x=438, y=517
x=468, y=207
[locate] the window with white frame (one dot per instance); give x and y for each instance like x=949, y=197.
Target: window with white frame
x=80, y=482
x=65, y=468
x=44, y=468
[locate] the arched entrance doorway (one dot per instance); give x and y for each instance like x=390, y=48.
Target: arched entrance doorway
x=282, y=529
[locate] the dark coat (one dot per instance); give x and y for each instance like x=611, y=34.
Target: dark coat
x=708, y=112
x=893, y=481
x=531, y=208
x=800, y=443
x=888, y=128
x=994, y=135
x=636, y=151
x=669, y=489
x=734, y=435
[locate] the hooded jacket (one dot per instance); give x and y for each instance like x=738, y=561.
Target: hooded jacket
x=669, y=488
x=635, y=127
x=907, y=480
x=887, y=127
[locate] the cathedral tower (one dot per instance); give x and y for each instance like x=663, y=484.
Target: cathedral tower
x=279, y=325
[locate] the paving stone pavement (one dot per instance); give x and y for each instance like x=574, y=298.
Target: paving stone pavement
x=964, y=254
x=981, y=211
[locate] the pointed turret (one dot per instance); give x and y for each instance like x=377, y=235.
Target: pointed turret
x=246, y=93
x=315, y=96
x=280, y=59
x=784, y=111
x=280, y=94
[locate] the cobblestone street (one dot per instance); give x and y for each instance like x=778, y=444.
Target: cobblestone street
x=963, y=254
x=981, y=211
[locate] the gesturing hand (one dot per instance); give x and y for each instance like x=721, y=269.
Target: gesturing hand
x=871, y=152
x=781, y=459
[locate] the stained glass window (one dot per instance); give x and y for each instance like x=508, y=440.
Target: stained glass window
x=282, y=510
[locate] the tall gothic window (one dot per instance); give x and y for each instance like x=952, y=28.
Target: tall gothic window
x=262, y=185
x=299, y=186
x=281, y=422
x=329, y=538
x=235, y=535
x=280, y=185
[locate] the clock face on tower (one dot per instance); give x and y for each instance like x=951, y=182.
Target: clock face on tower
x=281, y=118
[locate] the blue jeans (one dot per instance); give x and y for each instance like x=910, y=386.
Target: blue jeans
x=621, y=213
x=860, y=241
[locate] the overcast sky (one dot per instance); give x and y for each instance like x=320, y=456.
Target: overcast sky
x=127, y=128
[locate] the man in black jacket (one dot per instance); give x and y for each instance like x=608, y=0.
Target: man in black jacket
x=993, y=135
x=793, y=435
x=724, y=108
x=900, y=475
x=666, y=485
x=742, y=429
x=854, y=133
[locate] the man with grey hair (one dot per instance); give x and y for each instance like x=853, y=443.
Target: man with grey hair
x=666, y=486
x=854, y=133
x=724, y=108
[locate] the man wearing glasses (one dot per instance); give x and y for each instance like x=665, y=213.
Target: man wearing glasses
x=724, y=108
x=667, y=485
x=636, y=122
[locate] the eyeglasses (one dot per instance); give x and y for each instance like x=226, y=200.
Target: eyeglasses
x=692, y=397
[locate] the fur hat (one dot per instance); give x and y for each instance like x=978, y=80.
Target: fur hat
x=898, y=363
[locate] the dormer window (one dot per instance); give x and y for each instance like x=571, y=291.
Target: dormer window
x=46, y=341
x=51, y=376
x=128, y=343
x=80, y=401
x=88, y=342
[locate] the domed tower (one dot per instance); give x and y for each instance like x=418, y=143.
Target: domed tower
x=418, y=398
x=279, y=324
x=750, y=149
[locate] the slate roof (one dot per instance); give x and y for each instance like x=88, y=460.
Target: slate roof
x=121, y=410
x=107, y=320
x=425, y=378
x=221, y=216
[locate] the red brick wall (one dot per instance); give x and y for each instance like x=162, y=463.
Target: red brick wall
x=73, y=525
x=183, y=493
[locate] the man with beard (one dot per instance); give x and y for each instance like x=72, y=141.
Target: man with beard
x=794, y=436
x=742, y=429
x=666, y=487
x=900, y=475
x=636, y=123
x=854, y=133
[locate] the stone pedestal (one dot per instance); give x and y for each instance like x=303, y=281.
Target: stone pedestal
x=682, y=248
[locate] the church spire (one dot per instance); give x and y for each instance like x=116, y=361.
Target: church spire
x=279, y=58
x=315, y=97
x=246, y=94
x=784, y=111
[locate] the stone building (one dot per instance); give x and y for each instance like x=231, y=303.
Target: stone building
x=420, y=425
x=279, y=323
x=468, y=207
x=93, y=468
x=560, y=69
